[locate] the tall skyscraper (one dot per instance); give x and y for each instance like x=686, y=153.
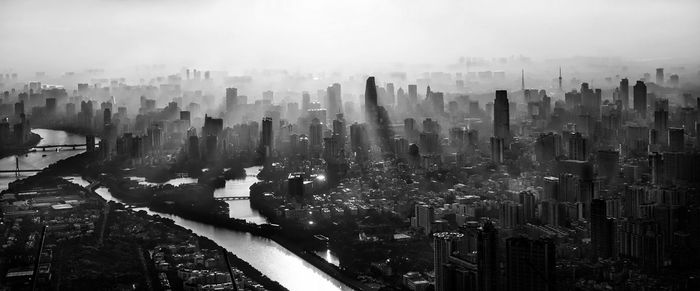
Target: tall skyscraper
x=659, y=76
x=661, y=120
x=578, y=149
x=266, y=140
x=530, y=264
x=501, y=116
x=334, y=103
x=443, y=245
x=640, y=98
x=412, y=94
x=676, y=139
x=602, y=230
x=560, y=87
x=625, y=93
x=231, y=99
x=371, y=102
x=487, y=257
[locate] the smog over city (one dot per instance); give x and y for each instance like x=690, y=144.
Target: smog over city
x=350, y=145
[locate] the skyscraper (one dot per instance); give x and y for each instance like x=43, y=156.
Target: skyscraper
x=577, y=147
x=334, y=104
x=501, y=115
x=625, y=93
x=659, y=76
x=661, y=120
x=266, y=139
x=371, y=102
x=640, y=98
x=487, y=257
x=602, y=230
x=443, y=244
x=231, y=99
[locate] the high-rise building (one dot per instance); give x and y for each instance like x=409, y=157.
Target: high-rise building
x=661, y=121
x=424, y=215
x=334, y=102
x=608, y=164
x=527, y=200
x=267, y=137
x=577, y=147
x=676, y=139
x=659, y=76
x=497, y=147
x=315, y=137
x=371, y=110
x=231, y=99
x=602, y=230
x=412, y=94
x=530, y=264
x=487, y=257
x=640, y=98
x=501, y=116
x=625, y=93
x=444, y=242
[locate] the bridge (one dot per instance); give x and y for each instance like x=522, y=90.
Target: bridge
x=50, y=146
x=20, y=171
x=231, y=198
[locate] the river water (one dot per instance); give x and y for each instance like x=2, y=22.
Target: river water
x=270, y=258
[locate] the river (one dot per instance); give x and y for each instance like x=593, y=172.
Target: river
x=270, y=258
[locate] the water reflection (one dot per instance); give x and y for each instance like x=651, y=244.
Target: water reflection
x=265, y=255
x=41, y=159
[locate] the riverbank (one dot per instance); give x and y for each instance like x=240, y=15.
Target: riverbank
x=73, y=165
x=34, y=140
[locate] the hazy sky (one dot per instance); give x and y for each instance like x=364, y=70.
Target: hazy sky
x=308, y=34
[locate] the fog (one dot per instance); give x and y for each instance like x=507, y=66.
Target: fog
x=359, y=35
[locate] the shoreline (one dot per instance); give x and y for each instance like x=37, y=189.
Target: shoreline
x=263, y=231
x=22, y=149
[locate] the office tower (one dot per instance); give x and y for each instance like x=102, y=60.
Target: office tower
x=510, y=214
x=212, y=126
x=334, y=103
x=659, y=76
x=443, y=245
x=640, y=99
x=487, y=257
x=315, y=137
x=530, y=264
x=193, y=147
x=602, y=230
x=577, y=147
x=527, y=200
x=437, y=102
x=412, y=94
x=339, y=129
x=409, y=129
x=548, y=147
x=551, y=189
x=501, y=116
x=424, y=215
x=358, y=139
x=266, y=138
x=106, y=117
x=371, y=110
x=305, y=102
x=661, y=120
x=429, y=143
x=608, y=166
x=676, y=139
x=390, y=97
x=497, y=147
x=231, y=99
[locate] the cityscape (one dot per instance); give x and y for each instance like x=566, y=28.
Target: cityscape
x=129, y=161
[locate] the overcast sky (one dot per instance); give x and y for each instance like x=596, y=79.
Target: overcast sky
x=307, y=34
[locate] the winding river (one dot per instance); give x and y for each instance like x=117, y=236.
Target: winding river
x=270, y=258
